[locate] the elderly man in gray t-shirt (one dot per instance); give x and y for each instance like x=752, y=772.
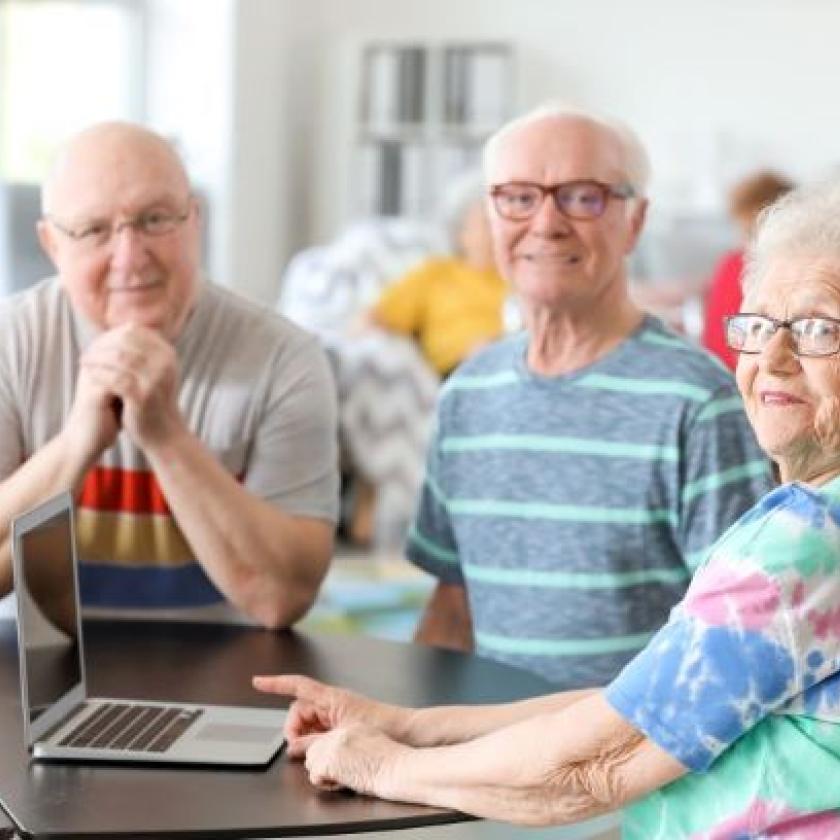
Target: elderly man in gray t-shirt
x=196, y=430
x=579, y=470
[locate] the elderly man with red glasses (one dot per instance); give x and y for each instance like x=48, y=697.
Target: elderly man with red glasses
x=196, y=430
x=581, y=468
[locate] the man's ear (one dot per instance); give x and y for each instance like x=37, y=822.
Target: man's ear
x=46, y=236
x=637, y=222
x=196, y=211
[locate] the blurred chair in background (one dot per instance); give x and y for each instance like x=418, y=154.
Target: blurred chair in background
x=746, y=200
x=387, y=391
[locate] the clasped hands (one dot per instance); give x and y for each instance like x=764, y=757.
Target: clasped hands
x=128, y=379
x=346, y=740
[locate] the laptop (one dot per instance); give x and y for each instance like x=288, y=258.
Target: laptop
x=60, y=721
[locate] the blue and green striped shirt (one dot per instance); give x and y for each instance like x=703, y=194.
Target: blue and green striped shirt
x=573, y=508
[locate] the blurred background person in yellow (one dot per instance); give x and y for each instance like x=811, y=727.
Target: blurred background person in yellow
x=452, y=304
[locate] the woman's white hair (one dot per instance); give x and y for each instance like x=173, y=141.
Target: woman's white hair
x=462, y=194
x=804, y=221
x=636, y=160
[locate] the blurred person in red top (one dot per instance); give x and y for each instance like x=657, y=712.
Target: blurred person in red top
x=746, y=200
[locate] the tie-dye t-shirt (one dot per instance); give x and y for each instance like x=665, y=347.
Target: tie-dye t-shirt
x=742, y=685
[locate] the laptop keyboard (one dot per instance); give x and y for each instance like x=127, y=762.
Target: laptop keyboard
x=123, y=726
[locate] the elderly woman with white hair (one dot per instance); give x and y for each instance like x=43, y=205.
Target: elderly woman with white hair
x=727, y=725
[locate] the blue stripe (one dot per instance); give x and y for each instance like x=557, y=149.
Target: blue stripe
x=146, y=586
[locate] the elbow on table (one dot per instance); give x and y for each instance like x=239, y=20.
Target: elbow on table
x=278, y=594
x=275, y=604
x=279, y=610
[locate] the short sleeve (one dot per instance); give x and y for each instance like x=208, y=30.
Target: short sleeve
x=12, y=450
x=293, y=459
x=431, y=540
x=725, y=472
x=402, y=305
x=758, y=627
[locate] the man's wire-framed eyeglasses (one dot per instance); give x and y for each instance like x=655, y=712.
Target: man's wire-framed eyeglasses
x=813, y=335
x=577, y=200
x=96, y=233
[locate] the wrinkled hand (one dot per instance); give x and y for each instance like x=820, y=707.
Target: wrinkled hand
x=92, y=425
x=138, y=367
x=355, y=756
x=321, y=708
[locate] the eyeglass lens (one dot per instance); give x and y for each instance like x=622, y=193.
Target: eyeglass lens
x=576, y=199
x=811, y=336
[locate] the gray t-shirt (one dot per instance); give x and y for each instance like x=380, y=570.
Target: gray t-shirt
x=573, y=508
x=254, y=388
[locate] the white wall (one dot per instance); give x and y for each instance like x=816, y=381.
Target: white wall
x=190, y=65
x=714, y=88
x=277, y=62
x=229, y=81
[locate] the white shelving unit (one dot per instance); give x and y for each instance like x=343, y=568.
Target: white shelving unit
x=424, y=112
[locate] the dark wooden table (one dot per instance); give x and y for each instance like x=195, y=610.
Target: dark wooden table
x=214, y=663
x=6, y=827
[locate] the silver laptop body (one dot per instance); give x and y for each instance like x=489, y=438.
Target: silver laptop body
x=60, y=721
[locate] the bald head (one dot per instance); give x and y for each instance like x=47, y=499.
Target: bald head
x=605, y=130
x=122, y=228
x=103, y=159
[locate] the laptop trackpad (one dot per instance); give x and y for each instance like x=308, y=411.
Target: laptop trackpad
x=236, y=732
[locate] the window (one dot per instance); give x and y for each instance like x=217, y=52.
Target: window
x=64, y=64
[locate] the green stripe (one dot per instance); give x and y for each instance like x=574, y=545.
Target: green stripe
x=569, y=513
x=477, y=383
x=431, y=548
x=562, y=647
x=650, y=387
x=436, y=490
x=695, y=558
x=540, y=443
x=752, y=469
x=573, y=580
x=724, y=405
x=663, y=340
x=718, y=363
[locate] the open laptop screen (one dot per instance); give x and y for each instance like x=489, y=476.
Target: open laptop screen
x=47, y=609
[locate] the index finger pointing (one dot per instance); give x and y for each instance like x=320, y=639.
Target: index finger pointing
x=290, y=685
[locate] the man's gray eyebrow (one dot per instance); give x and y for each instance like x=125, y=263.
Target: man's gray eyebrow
x=168, y=201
